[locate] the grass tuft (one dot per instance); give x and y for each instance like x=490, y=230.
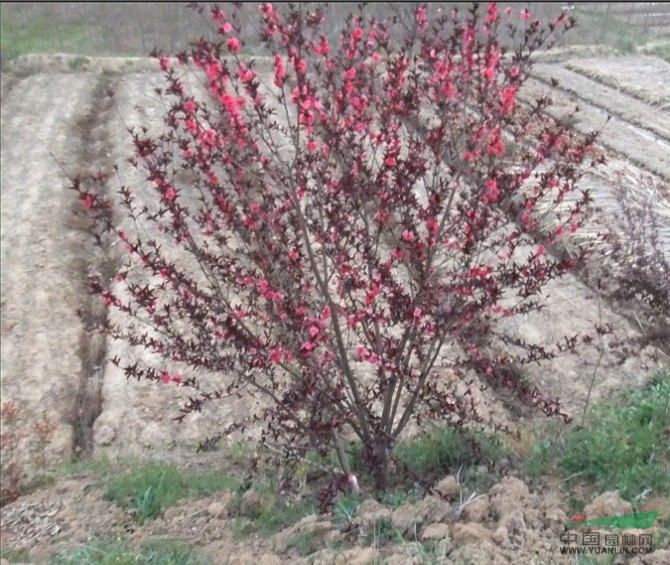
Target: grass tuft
x=441, y=450
x=149, y=489
x=625, y=444
x=118, y=552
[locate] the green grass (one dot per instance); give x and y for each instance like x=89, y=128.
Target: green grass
x=149, y=489
x=660, y=50
x=118, y=552
x=275, y=514
x=14, y=555
x=606, y=29
x=22, y=33
x=443, y=450
x=624, y=446
x=304, y=543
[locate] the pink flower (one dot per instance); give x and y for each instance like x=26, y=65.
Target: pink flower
x=492, y=15
x=323, y=48
x=190, y=106
x=431, y=226
x=376, y=57
x=514, y=71
x=417, y=313
x=165, y=63
x=408, y=236
x=313, y=331
x=312, y=145
x=280, y=71
x=508, y=10
x=170, y=194
x=507, y=99
x=541, y=250
x=357, y=34
x=421, y=18
x=397, y=254
x=497, y=147
x=233, y=45
x=492, y=190
x=390, y=161
x=275, y=355
x=350, y=74
x=525, y=15
x=88, y=201
x=245, y=73
x=301, y=66
x=226, y=28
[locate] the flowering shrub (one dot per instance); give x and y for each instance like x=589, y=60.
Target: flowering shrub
x=353, y=214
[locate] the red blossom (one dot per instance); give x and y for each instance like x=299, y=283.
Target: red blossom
x=233, y=45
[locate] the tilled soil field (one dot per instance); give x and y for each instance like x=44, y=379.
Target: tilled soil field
x=55, y=121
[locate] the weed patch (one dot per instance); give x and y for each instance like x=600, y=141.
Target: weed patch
x=147, y=490
x=118, y=552
x=14, y=555
x=37, y=34
x=625, y=444
x=442, y=450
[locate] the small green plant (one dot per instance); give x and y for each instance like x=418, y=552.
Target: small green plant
x=304, y=543
x=147, y=490
x=345, y=508
x=271, y=513
x=148, y=506
x=78, y=63
x=383, y=532
x=600, y=560
x=118, y=552
x=661, y=50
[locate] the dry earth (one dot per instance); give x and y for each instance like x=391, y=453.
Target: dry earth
x=56, y=120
